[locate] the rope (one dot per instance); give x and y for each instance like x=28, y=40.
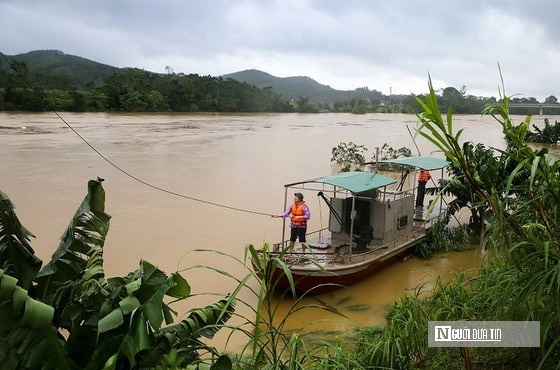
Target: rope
x=126, y=173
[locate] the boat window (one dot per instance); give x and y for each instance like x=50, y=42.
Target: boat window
x=402, y=221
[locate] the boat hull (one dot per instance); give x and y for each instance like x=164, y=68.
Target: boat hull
x=313, y=281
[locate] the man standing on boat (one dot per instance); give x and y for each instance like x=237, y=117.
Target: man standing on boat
x=299, y=212
x=423, y=177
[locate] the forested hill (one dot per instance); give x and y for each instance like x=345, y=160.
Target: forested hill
x=291, y=88
x=56, y=67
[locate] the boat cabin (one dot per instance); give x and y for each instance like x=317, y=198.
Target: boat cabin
x=368, y=209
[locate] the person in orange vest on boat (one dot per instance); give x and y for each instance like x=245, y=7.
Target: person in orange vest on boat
x=423, y=177
x=299, y=212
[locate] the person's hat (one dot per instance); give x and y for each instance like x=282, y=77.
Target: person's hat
x=299, y=195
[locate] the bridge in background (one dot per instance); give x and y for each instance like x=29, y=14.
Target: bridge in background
x=541, y=106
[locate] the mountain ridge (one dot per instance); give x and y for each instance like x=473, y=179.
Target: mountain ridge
x=294, y=87
x=57, y=64
x=88, y=74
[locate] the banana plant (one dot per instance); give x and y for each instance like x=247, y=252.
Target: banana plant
x=68, y=315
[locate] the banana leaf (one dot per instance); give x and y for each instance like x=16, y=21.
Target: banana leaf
x=88, y=229
x=29, y=340
x=74, y=280
x=138, y=317
x=17, y=258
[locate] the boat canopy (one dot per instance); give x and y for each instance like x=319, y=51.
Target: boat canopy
x=355, y=182
x=360, y=182
x=427, y=163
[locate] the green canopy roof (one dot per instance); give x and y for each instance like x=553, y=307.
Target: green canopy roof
x=356, y=182
x=427, y=163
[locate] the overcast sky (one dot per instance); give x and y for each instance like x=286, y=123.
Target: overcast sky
x=390, y=46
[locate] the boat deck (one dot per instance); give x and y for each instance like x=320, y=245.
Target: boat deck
x=318, y=253
x=321, y=254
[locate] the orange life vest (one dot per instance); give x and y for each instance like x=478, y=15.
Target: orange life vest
x=297, y=210
x=424, y=176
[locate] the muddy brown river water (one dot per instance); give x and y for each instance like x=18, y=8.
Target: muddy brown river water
x=229, y=170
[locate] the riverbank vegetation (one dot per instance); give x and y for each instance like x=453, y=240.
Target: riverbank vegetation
x=69, y=315
x=513, y=198
x=549, y=134
x=519, y=231
x=51, y=80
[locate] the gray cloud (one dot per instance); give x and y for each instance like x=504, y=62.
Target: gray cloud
x=344, y=44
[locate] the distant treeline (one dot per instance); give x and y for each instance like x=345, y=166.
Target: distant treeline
x=136, y=90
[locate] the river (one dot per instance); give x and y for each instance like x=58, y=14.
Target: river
x=237, y=162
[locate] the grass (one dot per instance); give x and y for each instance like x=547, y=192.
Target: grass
x=443, y=238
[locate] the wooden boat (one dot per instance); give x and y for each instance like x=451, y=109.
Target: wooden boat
x=372, y=223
